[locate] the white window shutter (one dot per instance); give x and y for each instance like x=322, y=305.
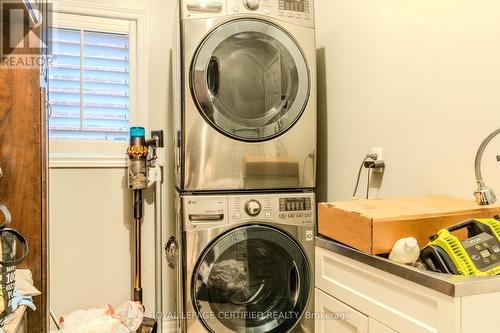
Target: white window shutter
x=89, y=85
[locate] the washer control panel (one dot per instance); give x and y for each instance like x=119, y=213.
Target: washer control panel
x=208, y=211
x=285, y=208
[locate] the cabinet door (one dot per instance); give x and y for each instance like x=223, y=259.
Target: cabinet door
x=335, y=316
x=376, y=327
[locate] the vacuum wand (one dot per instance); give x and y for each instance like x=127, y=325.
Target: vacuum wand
x=138, y=214
x=140, y=160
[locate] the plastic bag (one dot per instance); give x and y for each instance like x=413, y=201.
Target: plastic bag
x=126, y=319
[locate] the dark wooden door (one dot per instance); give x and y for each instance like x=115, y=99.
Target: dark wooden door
x=23, y=161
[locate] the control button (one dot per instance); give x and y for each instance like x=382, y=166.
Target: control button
x=493, y=257
x=267, y=11
x=475, y=257
x=299, y=214
x=496, y=249
x=291, y=215
x=307, y=214
x=268, y=215
x=486, y=260
x=251, y=4
x=236, y=9
x=282, y=215
x=237, y=216
x=485, y=244
x=478, y=247
x=252, y=207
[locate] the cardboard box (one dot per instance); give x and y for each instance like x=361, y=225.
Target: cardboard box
x=373, y=226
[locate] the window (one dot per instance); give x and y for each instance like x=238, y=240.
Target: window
x=92, y=87
x=89, y=85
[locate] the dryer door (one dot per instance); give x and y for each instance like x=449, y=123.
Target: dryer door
x=250, y=80
x=251, y=279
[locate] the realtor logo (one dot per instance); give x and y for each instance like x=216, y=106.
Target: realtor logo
x=23, y=37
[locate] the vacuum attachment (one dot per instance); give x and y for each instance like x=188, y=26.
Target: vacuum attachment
x=478, y=255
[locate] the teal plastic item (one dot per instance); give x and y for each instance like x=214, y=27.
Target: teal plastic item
x=137, y=132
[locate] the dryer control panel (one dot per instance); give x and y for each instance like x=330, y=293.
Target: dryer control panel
x=293, y=11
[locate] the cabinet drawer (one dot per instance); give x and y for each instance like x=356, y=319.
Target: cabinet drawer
x=376, y=327
x=407, y=306
x=335, y=316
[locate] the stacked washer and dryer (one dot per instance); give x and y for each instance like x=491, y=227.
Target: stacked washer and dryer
x=245, y=151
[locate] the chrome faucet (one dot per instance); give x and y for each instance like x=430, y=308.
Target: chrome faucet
x=484, y=194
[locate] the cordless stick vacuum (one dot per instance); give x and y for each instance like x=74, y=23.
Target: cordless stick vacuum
x=140, y=163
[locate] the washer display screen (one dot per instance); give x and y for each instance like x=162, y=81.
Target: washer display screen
x=301, y=6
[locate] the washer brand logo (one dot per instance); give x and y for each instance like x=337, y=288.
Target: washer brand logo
x=309, y=235
x=21, y=44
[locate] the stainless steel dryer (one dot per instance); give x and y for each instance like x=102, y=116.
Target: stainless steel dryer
x=245, y=114
x=245, y=263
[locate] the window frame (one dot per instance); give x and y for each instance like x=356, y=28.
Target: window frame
x=78, y=15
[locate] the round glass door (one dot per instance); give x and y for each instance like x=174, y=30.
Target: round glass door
x=250, y=80
x=252, y=279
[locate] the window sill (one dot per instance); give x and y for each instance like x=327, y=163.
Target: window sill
x=59, y=161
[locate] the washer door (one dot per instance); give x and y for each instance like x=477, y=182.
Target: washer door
x=251, y=279
x=250, y=80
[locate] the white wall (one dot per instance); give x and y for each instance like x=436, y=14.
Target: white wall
x=91, y=245
x=419, y=78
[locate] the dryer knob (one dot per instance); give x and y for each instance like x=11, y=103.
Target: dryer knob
x=252, y=208
x=251, y=4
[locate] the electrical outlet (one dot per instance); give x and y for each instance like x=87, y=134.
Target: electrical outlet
x=380, y=157
x=379, y=151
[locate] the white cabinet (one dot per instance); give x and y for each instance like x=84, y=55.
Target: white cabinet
x=380, y=302
x=335, y=316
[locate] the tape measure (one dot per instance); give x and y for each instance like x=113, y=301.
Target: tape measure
x=478, y=255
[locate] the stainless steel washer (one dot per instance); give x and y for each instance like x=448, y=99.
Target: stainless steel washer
x=245, y=263
x=245, y=115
